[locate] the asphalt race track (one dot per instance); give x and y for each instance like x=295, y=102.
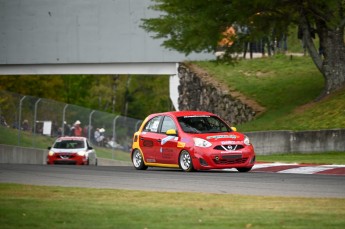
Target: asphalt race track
x=156, y=179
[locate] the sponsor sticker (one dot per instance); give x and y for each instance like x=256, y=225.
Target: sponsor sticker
x=185, y=139
x=228, y=142
x=195, y=116
x=231, y=152
x=222, y=136
x=168, y=138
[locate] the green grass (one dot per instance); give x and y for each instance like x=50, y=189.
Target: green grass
x=112, y=154
x=26, y=206
x=283, y=86
x=11, y=136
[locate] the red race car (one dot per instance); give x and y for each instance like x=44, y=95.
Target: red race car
x=72, y=150
x=190, y=140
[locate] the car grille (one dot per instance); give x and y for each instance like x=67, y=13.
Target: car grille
x=65, y=155
x=67, y=162
x=230, y=159
x=228, y=147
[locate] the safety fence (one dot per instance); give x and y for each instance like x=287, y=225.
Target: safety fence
x=38, y=116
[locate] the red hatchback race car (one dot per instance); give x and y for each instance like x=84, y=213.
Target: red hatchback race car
x=190, y=140
x=72, y=150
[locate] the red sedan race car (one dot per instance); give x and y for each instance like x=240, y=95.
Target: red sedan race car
x=190, y=140
x=72, y=150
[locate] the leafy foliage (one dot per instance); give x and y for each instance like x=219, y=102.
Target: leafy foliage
x=109, y=93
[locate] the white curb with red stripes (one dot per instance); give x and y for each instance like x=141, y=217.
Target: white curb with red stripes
x=299, y=168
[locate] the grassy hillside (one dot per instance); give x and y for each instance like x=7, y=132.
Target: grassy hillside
x=286, y=87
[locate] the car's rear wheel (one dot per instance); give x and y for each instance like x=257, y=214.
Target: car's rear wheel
x=244, y=170
x=138, y=160
x=185, y=161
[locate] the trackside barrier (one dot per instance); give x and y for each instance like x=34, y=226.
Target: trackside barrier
x=22, y=155
x=285, y=141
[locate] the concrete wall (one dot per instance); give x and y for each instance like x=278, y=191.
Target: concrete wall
x=272, y=142
x=20, y=155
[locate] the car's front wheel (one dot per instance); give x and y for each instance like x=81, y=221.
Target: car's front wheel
x=138, y=160
x=243, y=170
x=185, y=161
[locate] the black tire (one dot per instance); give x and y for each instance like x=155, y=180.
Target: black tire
x=138, y=160
x=244, y=170
x=185, y=161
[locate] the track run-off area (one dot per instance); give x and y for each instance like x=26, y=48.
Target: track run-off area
x=264, y=180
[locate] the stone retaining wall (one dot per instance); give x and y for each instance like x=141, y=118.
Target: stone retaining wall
x=199, y=91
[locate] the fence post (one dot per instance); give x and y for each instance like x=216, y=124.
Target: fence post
x=114, y=132
x=114, y=126
x=35, y=120
x=89, y=128
x=63, y=120
x=20, y=118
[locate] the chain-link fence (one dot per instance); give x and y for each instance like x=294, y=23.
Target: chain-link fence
x=38, y=116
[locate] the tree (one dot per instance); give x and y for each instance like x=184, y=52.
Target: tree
x=189, y=25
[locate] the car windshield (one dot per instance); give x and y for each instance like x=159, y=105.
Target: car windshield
x=69, y=144
x=203, y=124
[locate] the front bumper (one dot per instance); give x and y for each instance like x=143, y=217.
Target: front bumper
x=71, y=159
x=205, y=158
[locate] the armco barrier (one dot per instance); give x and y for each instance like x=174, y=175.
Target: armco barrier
x=313, y=141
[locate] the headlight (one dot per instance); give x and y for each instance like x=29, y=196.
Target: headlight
x=51, y=153
x=246, y=141
x=81, y=153
x=201, y=142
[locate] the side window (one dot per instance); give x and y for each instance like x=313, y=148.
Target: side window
x=167, y=124
x=152, y=125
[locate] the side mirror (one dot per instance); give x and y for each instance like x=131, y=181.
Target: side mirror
x=234, y=128
x=49, y=148
x=171, y=132
x=90, y=148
